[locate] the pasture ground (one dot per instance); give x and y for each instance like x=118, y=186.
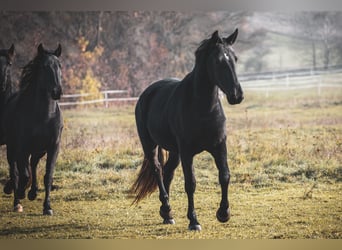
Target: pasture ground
x=285, y=157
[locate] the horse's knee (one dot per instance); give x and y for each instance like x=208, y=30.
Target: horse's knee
x=32, y=194
x=224, y=178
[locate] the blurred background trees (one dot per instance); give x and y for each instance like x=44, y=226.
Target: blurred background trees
x=130, y=49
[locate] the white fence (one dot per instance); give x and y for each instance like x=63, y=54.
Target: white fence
x=292, y=80
x=106, y=98
x=264, y=82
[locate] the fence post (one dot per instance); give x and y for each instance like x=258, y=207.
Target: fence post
x=319, y=85
x=106, y=98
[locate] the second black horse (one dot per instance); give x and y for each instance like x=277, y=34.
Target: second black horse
x=33, y=125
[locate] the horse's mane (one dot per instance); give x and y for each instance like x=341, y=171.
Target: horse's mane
x=8, y=83
x=28, y=74
x=202, y=47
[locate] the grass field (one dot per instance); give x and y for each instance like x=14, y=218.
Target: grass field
x=285, y=157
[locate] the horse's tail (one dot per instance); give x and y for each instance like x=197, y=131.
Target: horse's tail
x=146, y=182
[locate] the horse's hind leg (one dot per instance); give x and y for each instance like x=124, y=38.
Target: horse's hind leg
x=154, y=174
x=165, y=209
x=168, y=172
x=32, y=194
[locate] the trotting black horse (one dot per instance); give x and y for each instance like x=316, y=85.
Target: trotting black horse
x=6, y=88
x=33, y=125
x=185, y=118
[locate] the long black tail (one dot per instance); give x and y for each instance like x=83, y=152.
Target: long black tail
x=146, y=182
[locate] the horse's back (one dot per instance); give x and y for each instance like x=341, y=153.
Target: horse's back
x=157, y=94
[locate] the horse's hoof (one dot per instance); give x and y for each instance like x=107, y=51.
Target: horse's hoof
x=47, y=212
x=32, y=195
x=18, y=208
x=169, y=221
x=167, y=216
x=223, y=215
x=196, y=227
x=8, y=188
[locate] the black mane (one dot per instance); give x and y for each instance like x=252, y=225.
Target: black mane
x=202, y=48
x=28, y=74
x=30, y=71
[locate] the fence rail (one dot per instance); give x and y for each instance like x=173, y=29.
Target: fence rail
x=263, y=82
x=293, y=80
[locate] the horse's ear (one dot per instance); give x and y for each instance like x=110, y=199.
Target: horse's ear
x=40, y=49
x=11, y=52
x=58, y=51
x=215, y=38
x=232, y=38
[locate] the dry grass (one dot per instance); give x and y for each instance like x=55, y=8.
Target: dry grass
x=284, y=155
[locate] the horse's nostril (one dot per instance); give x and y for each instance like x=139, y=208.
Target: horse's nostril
x=56, y=93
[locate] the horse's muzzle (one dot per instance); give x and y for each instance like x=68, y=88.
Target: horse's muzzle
x=235, y=99
x=56, y=93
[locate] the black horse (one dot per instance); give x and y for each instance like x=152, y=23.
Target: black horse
x=33, y=125
x=6, y=88
x=185, y=118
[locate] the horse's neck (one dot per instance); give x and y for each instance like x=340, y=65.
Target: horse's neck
x=45, y=107
x=41, y=105
x=205, y=93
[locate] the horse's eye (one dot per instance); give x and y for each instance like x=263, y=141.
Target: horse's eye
x=236, y=59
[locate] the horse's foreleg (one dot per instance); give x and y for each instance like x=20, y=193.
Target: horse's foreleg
x=9, y=186
x=48, y=178
x=17, y=207
x=24, y=175
x=220, y=155
x=190, y=187
x=14, y=179
x=32, y=194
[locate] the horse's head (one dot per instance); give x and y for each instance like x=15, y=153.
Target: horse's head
x=221, y=66
x=50, y=73
x=6, y=58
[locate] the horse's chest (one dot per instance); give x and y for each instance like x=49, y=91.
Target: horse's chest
x=40, y=136
x=205, y=131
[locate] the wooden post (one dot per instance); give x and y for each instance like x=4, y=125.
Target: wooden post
x=106, y=99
